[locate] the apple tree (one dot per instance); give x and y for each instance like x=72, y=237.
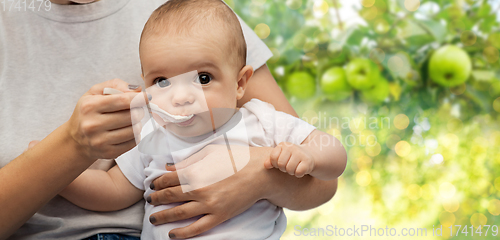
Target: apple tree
x=431, y=67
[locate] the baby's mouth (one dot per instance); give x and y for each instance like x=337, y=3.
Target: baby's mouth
x=187, y=122
x=168, y=117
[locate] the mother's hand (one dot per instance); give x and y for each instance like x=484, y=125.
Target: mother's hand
x=101, y=125
x=218, y=202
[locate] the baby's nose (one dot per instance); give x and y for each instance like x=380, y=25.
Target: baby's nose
x=182, y=98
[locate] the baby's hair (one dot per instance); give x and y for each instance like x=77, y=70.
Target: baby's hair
x=183, y=17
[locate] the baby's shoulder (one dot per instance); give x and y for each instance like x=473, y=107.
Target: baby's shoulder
x=257, y=105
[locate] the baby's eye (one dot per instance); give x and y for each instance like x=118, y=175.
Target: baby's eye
x=204, y=78
x=162, y=82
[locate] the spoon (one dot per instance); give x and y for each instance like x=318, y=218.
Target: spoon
x=166, y=116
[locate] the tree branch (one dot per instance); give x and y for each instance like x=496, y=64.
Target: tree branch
x=336, y=6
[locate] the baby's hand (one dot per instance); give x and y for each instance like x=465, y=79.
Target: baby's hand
x=291, y=158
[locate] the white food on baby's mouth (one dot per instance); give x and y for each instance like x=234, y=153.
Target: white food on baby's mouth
x=167, y=117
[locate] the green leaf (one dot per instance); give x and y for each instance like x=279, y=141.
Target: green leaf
x=488, y=23
x=436, y=29
x=484, y=10
x=344, y=36
x=419, y=40
x=411, y=28
x=354, y=38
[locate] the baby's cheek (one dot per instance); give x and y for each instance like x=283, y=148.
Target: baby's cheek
x=210, y=102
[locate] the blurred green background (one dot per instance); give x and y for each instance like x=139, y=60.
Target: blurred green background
x=412, y=90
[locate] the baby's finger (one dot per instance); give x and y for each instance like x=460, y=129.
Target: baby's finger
x=284, y=158
x=302, y=169
x=268, y=164
x=273, y=157
x=292, y=164
x=275, y=153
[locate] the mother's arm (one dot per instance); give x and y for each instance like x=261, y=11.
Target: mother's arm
x=225, y=199
x=100, y=127
x=263, y=86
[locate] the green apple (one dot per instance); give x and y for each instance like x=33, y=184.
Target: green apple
x=362, y=73
x=450, y=66
x=377, y=93
x=301, y=85
x=334, y=84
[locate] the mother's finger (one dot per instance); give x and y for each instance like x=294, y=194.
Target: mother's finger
x=121, y=135
x=104, y=123
x=202, y=225
x=181, y=212
x=136, y=114
x=169, y=179
x=114, y=150
x=116, y=83
x=169, y=195
x=113, y=103
x=115, y=120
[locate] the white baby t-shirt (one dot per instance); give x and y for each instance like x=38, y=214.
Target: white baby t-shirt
x=260, y=125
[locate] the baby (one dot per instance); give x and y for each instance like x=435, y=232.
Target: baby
x=193, y=62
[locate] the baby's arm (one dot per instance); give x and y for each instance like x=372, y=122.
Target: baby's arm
x=320, y=155
x=98, y=190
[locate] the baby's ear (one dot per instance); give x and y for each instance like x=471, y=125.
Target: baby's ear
x=245, y=73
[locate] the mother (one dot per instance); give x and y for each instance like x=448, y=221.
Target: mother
x=48, y=59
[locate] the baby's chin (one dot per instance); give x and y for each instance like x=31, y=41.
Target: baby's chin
x=199, y=125
x=189, y=133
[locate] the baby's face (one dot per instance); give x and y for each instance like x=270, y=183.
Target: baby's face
x=213, y=86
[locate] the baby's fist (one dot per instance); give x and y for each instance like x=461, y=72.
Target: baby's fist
x=290, y=158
